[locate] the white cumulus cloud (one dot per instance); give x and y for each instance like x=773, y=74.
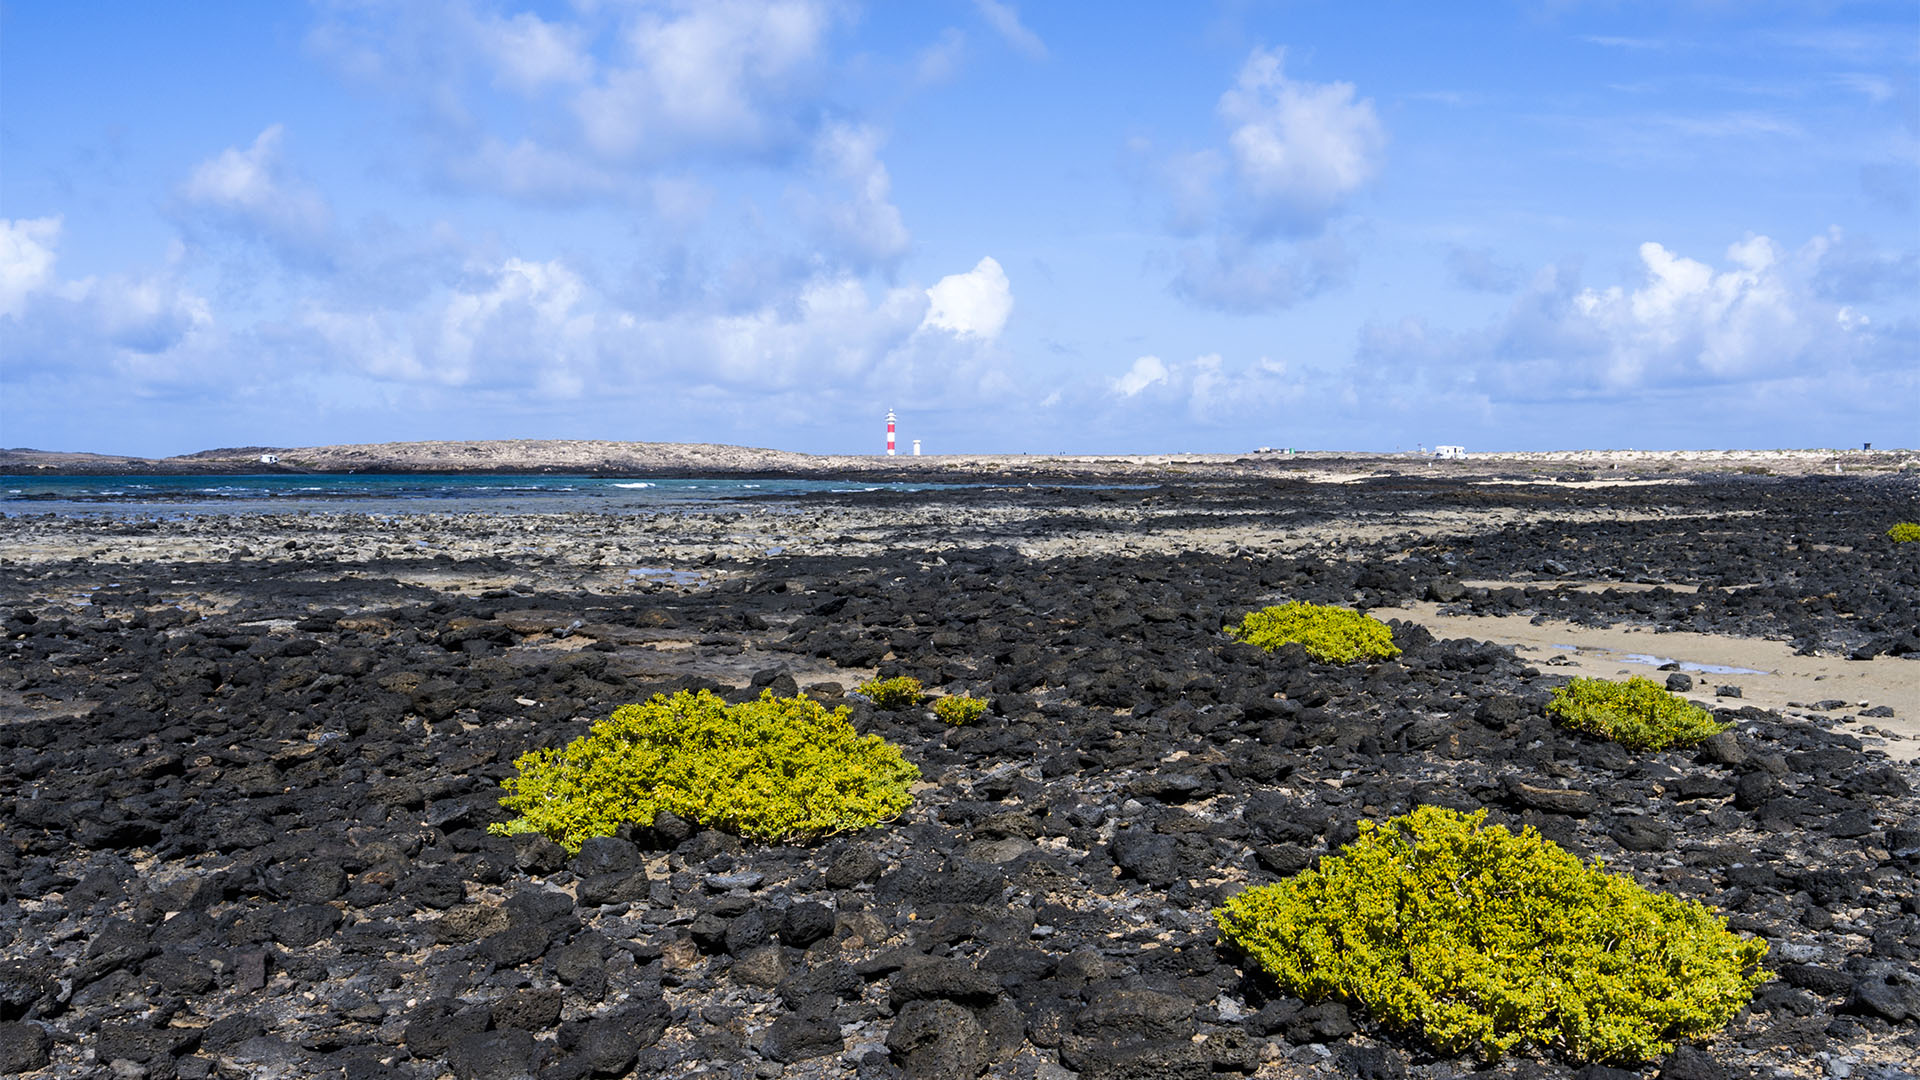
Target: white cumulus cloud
x=607, y=93
x=975, y=303
x=530, y=170
x=253, y=190
x=1685, y=315
x=529, y=52
x=941, y=60
x=866, y=227
x=520, y=325
x=1257, y=215
x=1005, y=20
x=1299, y=149
x=141, y=325
x=1145, y=372
x=719, y=75
x=1759, y=318
x=26, y=259
x=529, y=326
x=1233, y=276
x=1207, y=390
x=543, y=330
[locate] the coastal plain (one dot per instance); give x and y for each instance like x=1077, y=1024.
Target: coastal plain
x=248, y=761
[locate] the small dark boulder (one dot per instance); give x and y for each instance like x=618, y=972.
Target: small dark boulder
x=938, y=1040
x=516, y=945
x=854, y=866
x=1501, y=712
x=27, y=989
x=120, y=944
x=528, y=1010
x=304, y=924
x=1754, y=790
x=507, y=1054
x=671, y=829
x=1146, y=856
x=24, y=1047
x=1124, y=1015
x=806, y=923
x=178, y=973
x=1551, y=800
x=1887, y=993
x=1284, y=859
x=538, y=855
x=1321, y=1023
x=434, y=1024
x=1721, y=748
x=611, y=1043
x=1691, y=1063
x=944, y=979
x=1641, y=834
x=1820, y=980
x=436, y=887
x=230, y=1031
x=143, y=1043
x=1372, y=1063
x=616, y=887
x=797, y=1038
x=605, y=855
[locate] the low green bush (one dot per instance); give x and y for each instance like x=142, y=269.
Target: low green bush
x=959, y=709
x=1638, y=714
x=1333, y=634
x=1480, y=940
x=1904, y=533
x=773, y=769
x=899, y=692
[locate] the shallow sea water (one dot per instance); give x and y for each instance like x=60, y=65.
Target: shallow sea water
x=374, y=493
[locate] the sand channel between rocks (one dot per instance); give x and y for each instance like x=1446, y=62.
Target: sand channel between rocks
x=1787, y=682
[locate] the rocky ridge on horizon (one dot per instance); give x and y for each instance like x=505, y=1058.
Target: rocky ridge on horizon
x=601, y=457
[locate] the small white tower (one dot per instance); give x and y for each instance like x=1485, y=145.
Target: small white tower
x=889, y=432
x=916, y=448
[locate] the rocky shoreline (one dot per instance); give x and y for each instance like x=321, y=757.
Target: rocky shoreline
x=588, y=457
x=247, y=764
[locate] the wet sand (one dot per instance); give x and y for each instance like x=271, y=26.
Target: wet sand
x=1777, y=678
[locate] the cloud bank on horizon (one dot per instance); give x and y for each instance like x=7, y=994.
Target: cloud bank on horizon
x=770, y=221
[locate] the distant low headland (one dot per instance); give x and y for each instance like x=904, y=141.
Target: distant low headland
x=589, y=457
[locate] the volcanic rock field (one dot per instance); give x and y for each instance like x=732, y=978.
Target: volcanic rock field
x=247, y=765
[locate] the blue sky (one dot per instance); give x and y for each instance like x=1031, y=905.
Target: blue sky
x=1028, y=227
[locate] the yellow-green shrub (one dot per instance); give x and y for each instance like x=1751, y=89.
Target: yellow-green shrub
x=1638, y=714
x=1334, y=634
x=1480, y=940
x=899, y=692
x=959, y=709
x=773, y=768
x=1904, y=533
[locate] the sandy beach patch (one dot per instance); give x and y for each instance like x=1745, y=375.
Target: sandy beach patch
x=1550, y=482
x=1769, y=674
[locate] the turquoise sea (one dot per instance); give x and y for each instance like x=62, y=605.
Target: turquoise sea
x=169, y=496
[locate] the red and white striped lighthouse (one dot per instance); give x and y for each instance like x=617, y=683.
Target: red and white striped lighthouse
x=889, y=432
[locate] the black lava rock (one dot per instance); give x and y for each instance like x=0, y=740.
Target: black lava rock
x=795, y=1038
x=506, y=1054
x=806, y=923
x=24, y=1047
x=938, y=1040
